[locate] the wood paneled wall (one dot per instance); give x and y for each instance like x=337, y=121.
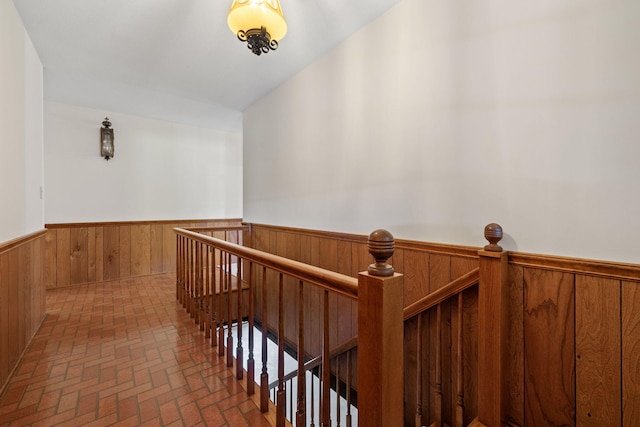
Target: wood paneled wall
x=22, y=298
x=574, y=326
x=575, y=338
x=96, y=252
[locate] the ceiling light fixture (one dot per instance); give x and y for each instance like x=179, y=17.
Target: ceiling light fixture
x=260, y=23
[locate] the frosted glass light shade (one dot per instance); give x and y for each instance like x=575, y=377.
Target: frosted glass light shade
x=252, y=14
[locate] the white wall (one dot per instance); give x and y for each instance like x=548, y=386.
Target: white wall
x=21, y=209
x=441, y=117
x=161, y=170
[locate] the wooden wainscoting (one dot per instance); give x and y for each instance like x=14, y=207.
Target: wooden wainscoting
x=94, y=252
x=575, y=339
x=22, y=297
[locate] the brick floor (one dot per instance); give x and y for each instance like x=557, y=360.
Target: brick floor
x=123, y=353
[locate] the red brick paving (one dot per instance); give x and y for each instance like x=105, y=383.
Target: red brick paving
x=123, y=353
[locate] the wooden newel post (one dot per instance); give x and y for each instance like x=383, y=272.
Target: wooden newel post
x=492, y=330
x=380, y=338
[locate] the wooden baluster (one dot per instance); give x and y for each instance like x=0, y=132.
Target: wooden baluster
x=301, y=417
x=194, y=283
x=187, y=275
x=251, y=370
x=239, y=350
x=193, y=270
x=282, y=398
x=289, y=390
x=185, y=290
x=227, y=295
x=320, y=394
x=313, y=400
x=178, y=266
x=203, y=290
x=338, y=391
x=183, y=262
x=187, y=271
x=210, y=286
x=185, y=302
x=349, y=385
x=221, y=306
x=209, y=297
x=325, y=413
x=264, y=376
x=419, y=373
x=199, y=286
x=190, y=280
x=229, y=313
x=194, y=286
x=214, y=302
x=438, y=395
x=459, y=421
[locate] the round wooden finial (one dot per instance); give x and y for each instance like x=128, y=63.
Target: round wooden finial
x=493, y=233
x=381, y=244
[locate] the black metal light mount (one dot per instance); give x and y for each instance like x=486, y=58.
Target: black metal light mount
x=258, y=40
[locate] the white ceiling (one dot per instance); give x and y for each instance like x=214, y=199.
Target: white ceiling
x=176, y=59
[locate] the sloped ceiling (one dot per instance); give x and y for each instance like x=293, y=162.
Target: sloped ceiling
x=176, y=59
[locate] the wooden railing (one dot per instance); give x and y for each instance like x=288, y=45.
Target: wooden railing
x=221, y=282
x=572, y=335
x=419, y=309
x=428, y=312
x=216, y=299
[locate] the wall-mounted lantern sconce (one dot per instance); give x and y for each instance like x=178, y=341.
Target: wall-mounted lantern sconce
x=106, y=139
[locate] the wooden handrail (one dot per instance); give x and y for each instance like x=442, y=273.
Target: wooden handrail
x=316, y=361
x=442, y=294
x=331, y=281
